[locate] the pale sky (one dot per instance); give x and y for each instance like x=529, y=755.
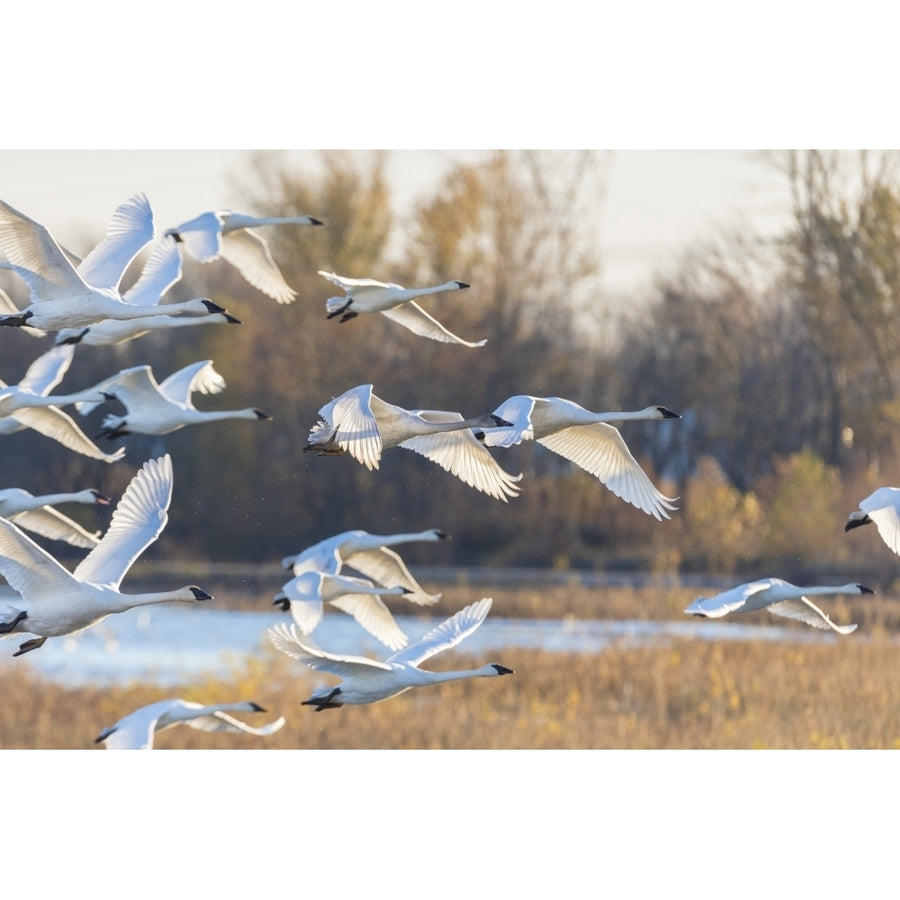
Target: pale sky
x=656, y=201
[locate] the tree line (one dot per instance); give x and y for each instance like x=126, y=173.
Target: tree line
x=778, y=356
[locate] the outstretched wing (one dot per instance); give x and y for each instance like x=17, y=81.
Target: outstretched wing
x=446, y=635
x=353, y=423
x=371, y=613
x=249, y=253
x=50, y=523
x=220, y=721
x=285, y=639
x=52, y=422
x=46, y=372
x=28, y=568
x=130, y=230
x=600, y=449
x=357, y=285
x=198, y=376
x=805, y=610
x=385, y=567
x=139, y=518
x=160, y=272
x=410, y=315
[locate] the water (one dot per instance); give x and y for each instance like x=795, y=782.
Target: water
x=173, y=644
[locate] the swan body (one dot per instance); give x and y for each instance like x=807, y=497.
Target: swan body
x=365, y=295
x=55, y=601
x=780, y=597
x=42, y=376
x=587, y=439
x=38, y=515
x=883, y=508
x=136, y=731
x=153, y=408
x=63, y=296
x=306, y=594
x=369, y=680
x=161, y=271
x=361, y=424
x=230, y=236
x=369, y=554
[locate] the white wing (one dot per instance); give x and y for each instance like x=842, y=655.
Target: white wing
x=250, y=254
x=139, y=518
x=461, y=454
x=601, y=450
x=728, y=601
x=517, y=411
x=36, y=257
x=286, y=640
x=133, y=387
x=371, y=613
x=49, y=523
x=198, y=376
x=355, y=428
x=357, y=285
x=46, y=372
x=28, y=568
x=881, y=507
x=136, y=730
x=446, y=635
x=130, y=230
x=385, y=567
x=160, y=272
x=202, y=236
x=220, y=721
x=410, y=315
x=52, y=422
x=806, y=611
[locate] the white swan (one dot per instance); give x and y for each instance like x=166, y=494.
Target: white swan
x=38, y=515
x=586, y=439
x=369, y=680
x=369, y=554
x=137, y=730
x=153, y=408
x=361, y=424
x=780, y=597
x=883, y=508
x=365, y=295
x=55, y=601
x=306, y=594
x=228, y=235
x=42, y=376
x=61, y=296
x=161, y=271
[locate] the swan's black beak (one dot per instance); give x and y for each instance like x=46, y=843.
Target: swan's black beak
x=667, y=413
x=257, y=707
x=502, y=670
x=261, y=415
x=461, y=285
x=213, y=307
x=501, y=423
x=865, y=590
x=283, y=602
x=101, y=499
x=855, y=522
x=442, y=535
x=199, y=595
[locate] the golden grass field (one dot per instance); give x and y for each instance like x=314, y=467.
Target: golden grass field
x=684, y=694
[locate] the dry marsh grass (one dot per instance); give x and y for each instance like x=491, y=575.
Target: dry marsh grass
x=684, y=694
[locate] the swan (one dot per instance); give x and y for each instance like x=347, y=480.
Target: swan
x=38, y=515
x=306, y=594
x=369, y=554
x=161, y=271
x=585, y=438
x=137, y=730
x=780, y=597
x=363, y=425
x=40, y=378
x=55, y=601
x=369, y=680
x=883, y=508
x=365, y=295
x=61, y=295
x=228, y=235
x=153, y=408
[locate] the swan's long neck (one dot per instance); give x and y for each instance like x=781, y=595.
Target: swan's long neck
x=828, y=589
x=412, y=293
x=457, y=674
x=385, y=540
x=235, y=221
x=212, y=415
x=123, y=602
x=88, y=396
x=53, y=499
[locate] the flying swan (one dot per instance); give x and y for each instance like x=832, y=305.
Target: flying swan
x=370, y=680
x=365, y=295
x=55, y=601
x=38, y=515
x=65, y=297
x=153, y=408
x=228, y=235
x=586, y=439
x=161, y=271
x=137, y=730
x=369, y=554
x=42, y=376
x=306, y=594
x=361, y=424
x=780, y=597
x=883, y=508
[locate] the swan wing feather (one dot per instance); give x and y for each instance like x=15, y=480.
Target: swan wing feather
x=250, y=254
x=46, y=372
x=285, y=639
x=160, y=272
x=50, y=523
x=139, y=517
x=410, y=315
x=371, y=613
x=52, y=422
x=355, y=427
x=219, y=721
x=804, y=610
x=199, y=376
x=600, y=450
x=446, y=635
x=28, y=568
x=385, y=567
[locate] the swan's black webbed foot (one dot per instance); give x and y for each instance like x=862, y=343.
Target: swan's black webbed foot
x=33, y=644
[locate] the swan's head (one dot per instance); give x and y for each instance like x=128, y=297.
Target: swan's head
x=261, y=415
x=664, y=413
x=282, y=601
x=865, y=590
x=461, y=285
x=99, y=499
x=174, y=235
x=501, y=670
x=210, y=306
x=196, y=593
x=313, y=221
x=439, y=535
x=498, y=422
x=856, y=519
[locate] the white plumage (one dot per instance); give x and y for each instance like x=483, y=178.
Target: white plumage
x=38, y=515
x=883, y=508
